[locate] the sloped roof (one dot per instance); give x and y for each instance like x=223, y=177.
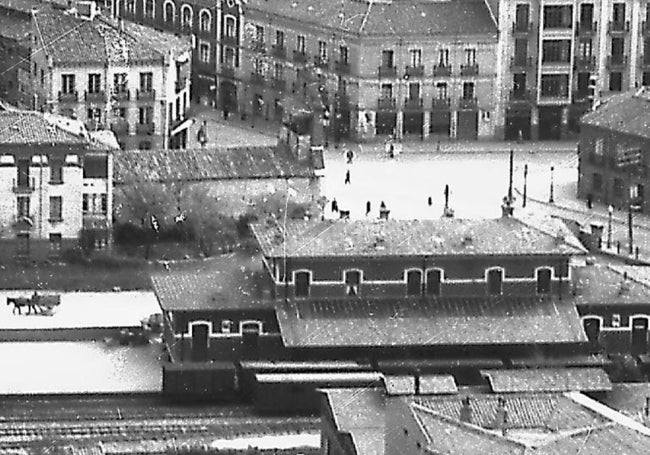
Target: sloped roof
x=628, y=113
x=603, y=284
x=27, y=128
x=14, y=27
x=23, y=6
x=447, y=321
x=208, y=164
x=444, y=236
x=74, y=40
x=548, y=380
x=397, y=18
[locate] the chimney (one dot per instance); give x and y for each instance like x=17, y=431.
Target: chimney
x=466, y=410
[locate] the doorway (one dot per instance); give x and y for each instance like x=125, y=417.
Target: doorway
x=639, y=335
x=200, y=333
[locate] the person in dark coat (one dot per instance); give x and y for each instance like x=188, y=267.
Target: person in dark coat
x=367, y=208
x=202, y=135
x=430, y=201
x=382, y=206
x=347, y=176
x=335, y=205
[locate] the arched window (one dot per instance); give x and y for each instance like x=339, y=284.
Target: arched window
x=205, y=20
x=434, y=281
x=495, y=281
x=149, y=8
x=231, y=26
x=186, y=16
x=303, y=280
x=544, y=280
x=413, y=282
x=229, y=57
x=170, y=12
x=130, y=6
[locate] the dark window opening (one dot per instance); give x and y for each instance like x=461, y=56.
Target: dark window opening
x=544, y=281
x=413, y=282
x=96, y=167
x=352, y=281
x=302, y=284
x=434, y=279
x=495, y=282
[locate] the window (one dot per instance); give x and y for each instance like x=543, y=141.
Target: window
x=495, y=281
x=94, y=117
x=144, y=145
x=616, y=320
x=119, y=82
x=279, y=39
x=519, y=82
x=170, y=12
x=585, y=48
x=22, y=203
x=95, y=167
x=646, y=78
x=322, y=51
x=557, y=16
x=23, y=173
x=55, y=244
x=544, y=281
x=586, y=14
x=555, y=85
x=22, y=245
x=441, y=90
x=302, y=284
x=521, y=16
x=414, y=91
x=56, y=171
x=468, y=90
x=229, y=57
x=146, y=82
x=434, y=281
x=85, y=203
x=130, y=6
x=413, y=282
x=599, y=147
x=278, y=71
x=470, y=56
x=352, y=281
x=387, y=59
x=615, y=81
x=300, y=44
x=344, y=54
x=204, y=52
x=42, y=77
x=205, y=21
x=416, y=57
x=145, y=116
x=94, y=83
x=56, y=208
x=259, y=34
x=618, y=49
x=103, y=204
x=119, y=112
x=226, y=326
x=231, y=27
x=186, y=16
x=618, y=13
x=556, y=51
x=386, y=91
x=149, y=9
x=443, y=57
x=596, y=182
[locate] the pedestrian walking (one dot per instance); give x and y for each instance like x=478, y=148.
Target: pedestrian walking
x=387, y=147
x=391, y=152
x=430, y=201
x=367, y=208
x=202, y=135
x=335, y=206
x=382, y=206
x=590, y=203
x=226, y=112
x=347, y=177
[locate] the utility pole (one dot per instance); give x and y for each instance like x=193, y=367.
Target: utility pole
x=510, y=177
x=551, y=199
x=629, y=216
x=525, y=184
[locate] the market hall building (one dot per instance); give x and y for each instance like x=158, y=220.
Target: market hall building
x=374, y=297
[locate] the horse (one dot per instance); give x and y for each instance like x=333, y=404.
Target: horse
x=20, y=302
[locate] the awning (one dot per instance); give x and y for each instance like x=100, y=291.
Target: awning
x=548, y=380
x=183, y=125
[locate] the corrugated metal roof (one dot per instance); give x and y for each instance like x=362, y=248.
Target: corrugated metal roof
x=548, y=380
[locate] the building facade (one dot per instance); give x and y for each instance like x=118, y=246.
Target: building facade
x=556, y=57
x=127, y=78
x=55, y=187
x=613, y=165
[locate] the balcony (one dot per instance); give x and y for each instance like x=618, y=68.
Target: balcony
x=279, y=84
x=618, y=27
x=144, y=128
x=469, y=102
x=585, y=29
x=554, y=98
x=559, y=64
x=120, y=127
x=558, y=27
x=121, y=95
x=585, y=62
x=299, y=57
x=227, y=71
x=518, y=65
x=441, y=70
x=342, y=67
x=257, y=78
x=229, y=40
x=387, y=71
x=470, y=69
x=95, y=97
x=522, y=96
x=258, y=46
x=23, y=221
x=413, y=104
x=386, y=104
x=68, y=97
x=442, y=103
x=186, y=29
x=521, y=28
x=278, y=51
x=321, y=62
x=24, y=186
x=414, y=71
x=146, y=95
x=645, y=28
x=616, y=61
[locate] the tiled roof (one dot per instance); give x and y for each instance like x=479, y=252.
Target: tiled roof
x=401, y=18
x=208, y=164
x=606, y=285
x=26, y=127
x=444, y=236
x=73, y=40
x=628, y=398
x=442, y=321
x=14, y=27
x=157, y=39
x=627, y=113
x=548, y=380
x=233, y=281
x=24, y=6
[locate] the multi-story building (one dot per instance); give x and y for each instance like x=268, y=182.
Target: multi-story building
x=393, y=67
x=614, y=166
x=128, y=78
x=553, y=54
x=54, y=186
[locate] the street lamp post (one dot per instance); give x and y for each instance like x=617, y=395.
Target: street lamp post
x=551, y=199
x=610, y=211
x=525, y=184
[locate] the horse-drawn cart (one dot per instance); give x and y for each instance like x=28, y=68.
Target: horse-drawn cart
x=41, y=304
